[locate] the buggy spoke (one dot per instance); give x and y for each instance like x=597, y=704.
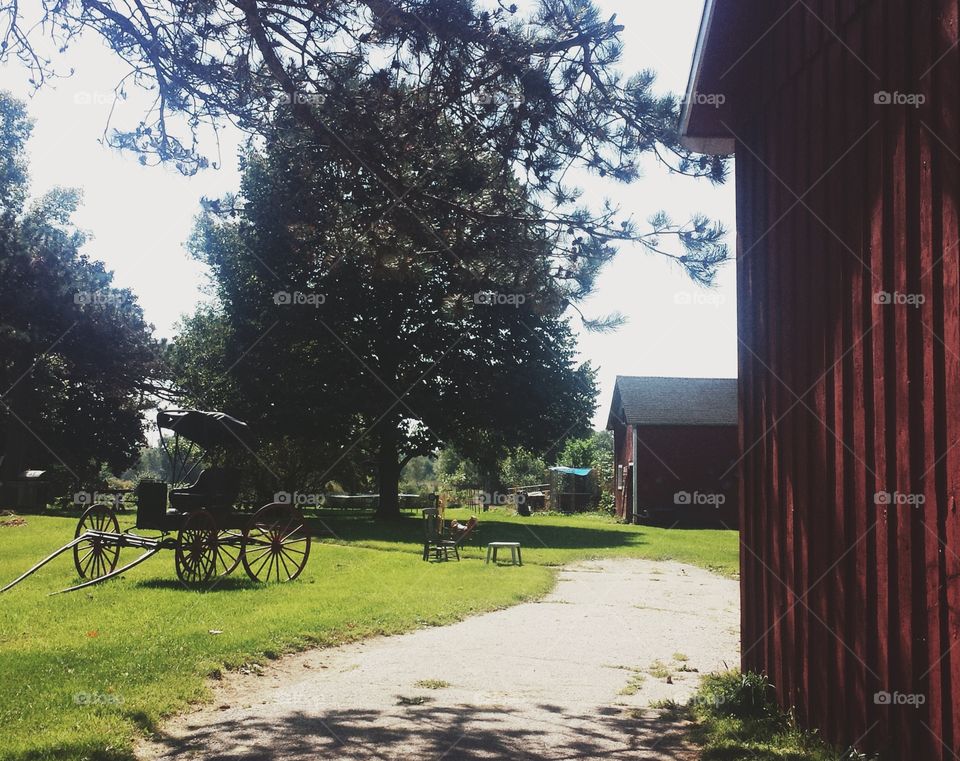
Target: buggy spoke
x=266, y=558
x=293, y=532
x=256, y=553
x=283, y=559
x=275, y=545
x=254, y=560
x=96, y=556
x=197, y=552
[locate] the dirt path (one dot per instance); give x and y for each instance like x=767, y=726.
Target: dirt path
x=569, y=677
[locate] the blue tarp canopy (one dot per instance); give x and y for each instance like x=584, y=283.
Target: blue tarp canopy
x=572, y=471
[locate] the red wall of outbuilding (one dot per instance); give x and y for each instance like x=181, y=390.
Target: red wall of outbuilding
x=700, y=461
x=844, y=397
x=697, y=462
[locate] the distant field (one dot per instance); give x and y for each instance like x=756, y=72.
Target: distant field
x=83, y=673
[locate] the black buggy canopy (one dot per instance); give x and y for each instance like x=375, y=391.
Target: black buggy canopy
x=208, y=429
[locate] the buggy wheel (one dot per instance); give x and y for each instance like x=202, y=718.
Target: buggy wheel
x=276, y=543
x=229, y=551
x=95, y=556
x=196, y=551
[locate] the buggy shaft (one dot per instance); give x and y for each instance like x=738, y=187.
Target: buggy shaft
x=148, y=554
x=42, y=563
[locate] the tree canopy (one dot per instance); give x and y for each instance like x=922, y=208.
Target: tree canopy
x=343, y=320
x=542, y=91
x=409, y=231
x=75, y=352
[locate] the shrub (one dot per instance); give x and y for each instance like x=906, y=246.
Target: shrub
x=742, y=696
x=737, y=718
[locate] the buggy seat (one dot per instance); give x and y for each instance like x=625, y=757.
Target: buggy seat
x=215, y=488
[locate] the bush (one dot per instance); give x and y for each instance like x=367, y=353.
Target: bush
x=742, y=696
x=522, y=468
x=738, y=718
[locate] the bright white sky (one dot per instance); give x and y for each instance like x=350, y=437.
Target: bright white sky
x=141, y=216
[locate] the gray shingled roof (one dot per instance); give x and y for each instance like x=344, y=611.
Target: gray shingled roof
x=674, y=401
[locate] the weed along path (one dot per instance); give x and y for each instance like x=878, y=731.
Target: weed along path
x=570, y=676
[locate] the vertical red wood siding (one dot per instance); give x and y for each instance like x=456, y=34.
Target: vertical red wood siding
x=844, y=204
x=671, y=459
x=699, y=460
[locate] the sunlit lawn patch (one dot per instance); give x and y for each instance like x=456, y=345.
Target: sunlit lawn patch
x=82, y=672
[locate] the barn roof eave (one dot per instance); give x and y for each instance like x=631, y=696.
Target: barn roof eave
x=703, y=120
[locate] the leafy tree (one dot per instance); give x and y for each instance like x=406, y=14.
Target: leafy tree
x=455, y=472
x=594, y=451
x=75, y=353
x=344, y=320
x=213, y=370
x=419, y=476
x=522, y=468
x=542, y=92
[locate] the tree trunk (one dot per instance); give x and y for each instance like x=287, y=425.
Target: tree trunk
x=388, y=476
x=489, y=473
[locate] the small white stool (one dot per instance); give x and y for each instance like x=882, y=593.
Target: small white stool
x=515, y=557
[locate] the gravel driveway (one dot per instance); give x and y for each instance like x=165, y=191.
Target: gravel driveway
x=569, y=677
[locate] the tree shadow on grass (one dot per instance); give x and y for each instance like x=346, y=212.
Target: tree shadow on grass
x=408, y=530
x=463, y=732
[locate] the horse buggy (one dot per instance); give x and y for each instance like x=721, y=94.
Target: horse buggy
x=209, y=536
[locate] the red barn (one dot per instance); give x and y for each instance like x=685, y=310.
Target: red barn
x=675, y=450
x=845, y=119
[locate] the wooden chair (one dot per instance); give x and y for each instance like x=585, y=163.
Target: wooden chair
x=434, y=543
x=437, y=545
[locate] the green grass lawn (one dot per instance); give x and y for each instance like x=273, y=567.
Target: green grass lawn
x=557, y=539
x=84, y=673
